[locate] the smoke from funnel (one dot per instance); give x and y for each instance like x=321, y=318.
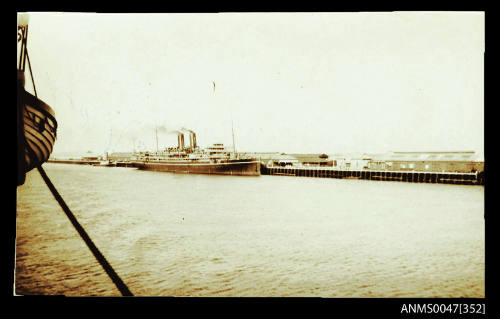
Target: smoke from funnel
x=164, y=129
x=180, y=136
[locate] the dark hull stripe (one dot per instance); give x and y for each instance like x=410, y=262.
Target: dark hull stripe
x=47, y=141
x=50, y=138
x=36, y=112
x=28, y=160
x=32, y=101
x=45, y=135
x=34, y=156
x=32, y=109
x=241, y=168
x=40, y=149
x=194, y=163
x=47, y=129
x=37, y=145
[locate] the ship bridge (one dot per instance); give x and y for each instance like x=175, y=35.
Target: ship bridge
x=218, y=150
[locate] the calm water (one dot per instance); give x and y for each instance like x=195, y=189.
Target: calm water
x=195, y=235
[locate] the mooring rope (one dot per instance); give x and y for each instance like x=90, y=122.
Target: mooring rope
x=122, y=287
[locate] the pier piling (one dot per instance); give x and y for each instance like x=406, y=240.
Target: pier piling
x=377, y=175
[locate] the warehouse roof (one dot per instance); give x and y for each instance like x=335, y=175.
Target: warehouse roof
x=430, y=156
x=311, y=158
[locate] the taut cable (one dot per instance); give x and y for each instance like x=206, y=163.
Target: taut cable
x=93, y=248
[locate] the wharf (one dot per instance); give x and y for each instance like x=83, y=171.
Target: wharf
x=378, y=175
x=79, y=162
x=91, y=162
x=124, y=164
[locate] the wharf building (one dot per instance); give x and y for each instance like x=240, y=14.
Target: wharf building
x=431, y=167
x=120, y=156
x=460, y=162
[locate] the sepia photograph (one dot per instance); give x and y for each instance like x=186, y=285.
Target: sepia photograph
x=245, y=154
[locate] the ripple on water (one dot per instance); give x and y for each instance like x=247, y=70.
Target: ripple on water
x=187, y=235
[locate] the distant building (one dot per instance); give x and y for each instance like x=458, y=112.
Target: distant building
x=282, y=160
x=263, y=157
x=90, y=158
x=463, y=162
x=120, y=156
x=358, y=163
x=377, y=162
x=313, y=159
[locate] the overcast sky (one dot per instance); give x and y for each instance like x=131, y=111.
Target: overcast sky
x=290, y=82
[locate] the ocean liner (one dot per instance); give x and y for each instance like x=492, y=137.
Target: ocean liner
x=216, y=159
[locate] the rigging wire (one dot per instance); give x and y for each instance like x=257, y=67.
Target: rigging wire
x=122, y=287
x=31, y=73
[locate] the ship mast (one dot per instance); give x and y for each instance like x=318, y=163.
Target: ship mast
x=232, y=129
x=232, y=126
x=156, y=133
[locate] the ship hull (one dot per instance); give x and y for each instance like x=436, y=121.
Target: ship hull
x=39, y=131
x=36, y=130
x=232, y=168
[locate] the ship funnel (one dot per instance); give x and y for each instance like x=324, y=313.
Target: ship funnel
x=191, y=141
x=181, y=145
x=180, y=141
x=194, y=139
